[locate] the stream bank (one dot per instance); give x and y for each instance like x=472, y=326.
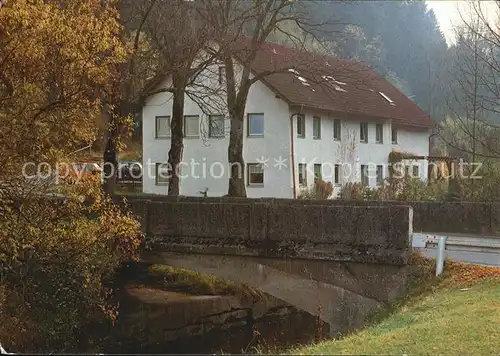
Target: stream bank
x=154, y=319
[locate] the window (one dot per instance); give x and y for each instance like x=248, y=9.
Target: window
x=216, y=126
x=364, y=175
x=162, y=129
x=336, y=130
x=255, y=174
x=380, y=175
x=302, y=174
x=379, y=133
x=407, y=171
x=394, y=136
x=363, y=132
x=163, y=172
x=222, y=75
x=301, y=126
x=389, y=100
x=191, y=126
x=337, y=174
x=316, y=127
x=255, y=124
x=415, y=172
x=317, y=172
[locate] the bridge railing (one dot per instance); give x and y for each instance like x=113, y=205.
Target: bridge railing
x=379, y=234
x=428, y=216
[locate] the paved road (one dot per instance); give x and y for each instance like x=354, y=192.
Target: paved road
x=483, y=255
x=478, y=258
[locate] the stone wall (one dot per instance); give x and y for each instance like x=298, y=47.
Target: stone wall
x=271, y=228
x=447, y=217
x=428, y=216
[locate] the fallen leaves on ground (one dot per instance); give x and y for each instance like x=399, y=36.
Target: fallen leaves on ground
x=463, y=274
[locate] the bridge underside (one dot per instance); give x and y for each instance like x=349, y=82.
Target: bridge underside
x=342, y=294
x=338, y=262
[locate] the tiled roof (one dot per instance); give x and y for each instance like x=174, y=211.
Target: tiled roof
x=332, y=84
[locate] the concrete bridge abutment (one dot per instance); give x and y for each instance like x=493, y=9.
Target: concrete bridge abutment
x=341, y=263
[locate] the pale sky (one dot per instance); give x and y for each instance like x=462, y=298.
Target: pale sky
x=447, y=13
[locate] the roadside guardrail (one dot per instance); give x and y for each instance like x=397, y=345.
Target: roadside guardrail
x=473, y=244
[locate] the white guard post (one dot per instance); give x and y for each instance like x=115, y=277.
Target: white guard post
x=441, y=252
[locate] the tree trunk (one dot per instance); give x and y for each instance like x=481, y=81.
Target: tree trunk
x=176, y=142
x=110, y=162
x=110, y=158
x=235, y=156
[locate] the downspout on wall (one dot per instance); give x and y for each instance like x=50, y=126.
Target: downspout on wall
x=292, y=153
x=292, y=158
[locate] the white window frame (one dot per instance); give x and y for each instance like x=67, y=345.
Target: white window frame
x=363, y=128
x=320, y=171
x=186, y=117
x=394, y=135
x=365, y=175
x=249, y=183
x=337, y=174
x=316, y=127
x=157, y=177
x=251, y=134
x=301, y=123
x=211, y=120
x=157, y=125
x=380, y=177
x=337, y=123
x=302, y=172
x=417, y=168
x=379, y=129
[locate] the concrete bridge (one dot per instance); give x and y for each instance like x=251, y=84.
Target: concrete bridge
x=341, y=263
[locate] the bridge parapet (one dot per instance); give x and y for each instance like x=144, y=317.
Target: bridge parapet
x=366, y=234
x=429, y=216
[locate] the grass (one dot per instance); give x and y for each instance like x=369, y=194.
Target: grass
x=194, y=283
x=457, y=314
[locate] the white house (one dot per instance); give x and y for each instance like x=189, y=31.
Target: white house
x=318, y=117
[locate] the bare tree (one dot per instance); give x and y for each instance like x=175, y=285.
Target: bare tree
x=123, y=101
x=257, y=20
x=474, y=87
x=472, y=131
x=347, y=153
x=166, y=40
x=181, y=43
x=465, y=96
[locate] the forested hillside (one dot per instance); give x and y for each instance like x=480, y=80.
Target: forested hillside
x=401, y=40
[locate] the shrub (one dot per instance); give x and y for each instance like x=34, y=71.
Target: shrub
x=321, y=190
x=352, y=191
x=404, y=189
x=416, y=190
x=484, y=187
x=57, y=260
x=57, y=255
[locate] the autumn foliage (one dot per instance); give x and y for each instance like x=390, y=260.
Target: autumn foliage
x=462, y=274
x=56, y=57
x=57, y=260
x=456, y=274
x=58, y=254
x=321, y=190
